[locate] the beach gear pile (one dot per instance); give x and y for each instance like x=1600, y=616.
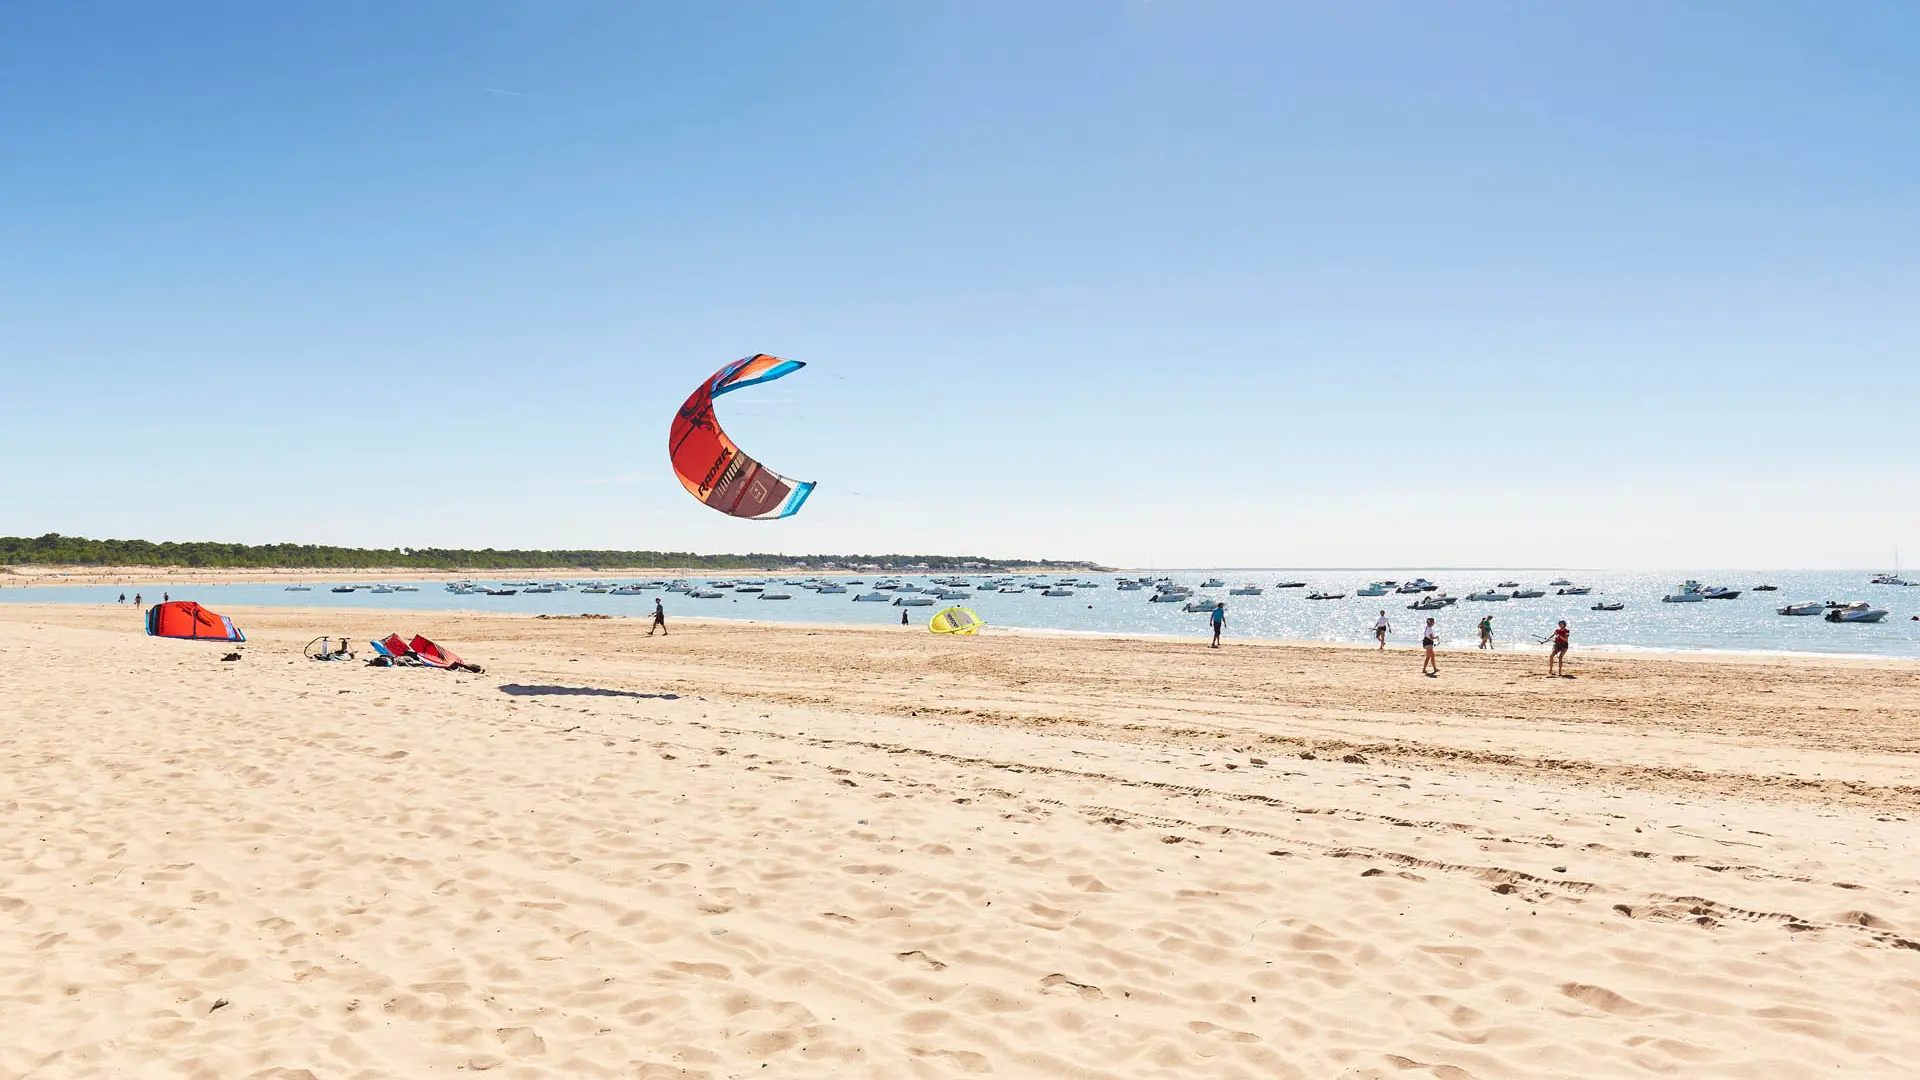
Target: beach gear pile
x=396, y=651
x=188, y=621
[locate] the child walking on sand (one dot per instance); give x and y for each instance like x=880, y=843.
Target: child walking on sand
x=1429, y=637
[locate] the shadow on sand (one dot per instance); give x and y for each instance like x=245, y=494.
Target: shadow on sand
x=523, y=690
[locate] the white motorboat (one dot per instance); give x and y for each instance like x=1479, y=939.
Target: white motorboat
x=832, y=590
x=538, y=589
x=1213, y=583
x=1528, y=594
x=597, y=589
x=871, y=598
x=1811, y=607
x=381, y=589
x=1056, y=592
x=1247, y=590
x=1720, y=592
x=705, y=594
x=1890, y=579
x=1375, y=589
x=1573, y=590
x=1128, y=586
x=299, y=588
x=1326, y=596
x=501, y=592
x=1169, y=597
x=1690, y=593
x=751, y=588
x=1202, y=605
x=1615, y=606
x=406, y=588
x=1417, y=585
x=1488, y=595
x=1289, y=584
x=1559, y=581
x=624, y=590
x=1858, y=611
x=776, y=596
x=1432, y=603
x=913, y=601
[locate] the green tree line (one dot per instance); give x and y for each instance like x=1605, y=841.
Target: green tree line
x=56, y=550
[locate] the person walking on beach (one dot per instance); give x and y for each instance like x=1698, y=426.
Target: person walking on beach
x=166, y=598
x=903, y=616
x=1486, y=631
x=122, y=600
x=659, y=619
x=1218, y=618
x=136, y=599
x=1429, y=637
x=1557, y=659
x=1380, y=628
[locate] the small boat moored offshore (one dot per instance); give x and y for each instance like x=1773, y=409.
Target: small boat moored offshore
x=704, y=594
x=1433, y=603
x=1858, y=611
x=1574, y=590
x=299, y=588
x=1488, y=596
x=776, y=596
x=1290, y=585
x=1213, y=583
x=871, y=598
x=1689, y=594
x=1246, y=590
x=1202, y=605
x=1528, y=594
x=913, y=601
x=1811, y=607
x=1056, y=592
x=1604, y=606
x=1720, y=592
x=1766, y=588
x=1326, y=596
x=1378, y=588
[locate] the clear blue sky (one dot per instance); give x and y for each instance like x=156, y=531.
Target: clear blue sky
x=1170, y=282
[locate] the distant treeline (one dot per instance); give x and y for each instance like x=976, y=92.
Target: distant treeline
x=56, y=550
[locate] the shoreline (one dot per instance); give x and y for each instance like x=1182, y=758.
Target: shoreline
x=1760, y=657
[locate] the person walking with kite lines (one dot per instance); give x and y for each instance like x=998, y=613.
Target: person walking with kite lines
x=1219, y=620
x=1557, y=658
x=1380, y=628
x=1429, y=637
x=659, y=619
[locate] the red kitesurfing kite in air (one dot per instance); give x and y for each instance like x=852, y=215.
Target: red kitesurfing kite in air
x=713, y=468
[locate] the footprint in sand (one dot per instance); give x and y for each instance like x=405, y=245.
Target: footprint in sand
x=920, y=960
x=1057, y=983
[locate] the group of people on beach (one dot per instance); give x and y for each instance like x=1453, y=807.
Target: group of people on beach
x=1559, y=640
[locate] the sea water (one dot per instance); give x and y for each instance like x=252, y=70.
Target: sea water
x=1749, y=624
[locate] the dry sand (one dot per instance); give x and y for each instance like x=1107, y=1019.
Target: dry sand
x=754, y=851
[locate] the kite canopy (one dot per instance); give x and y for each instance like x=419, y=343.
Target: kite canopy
x=188, y=620
x=955, y=620
x=712, y=468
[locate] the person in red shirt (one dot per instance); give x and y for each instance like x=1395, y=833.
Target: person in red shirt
x=1557, y=659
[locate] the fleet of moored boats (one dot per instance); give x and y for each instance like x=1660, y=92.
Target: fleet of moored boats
x=1161, y=590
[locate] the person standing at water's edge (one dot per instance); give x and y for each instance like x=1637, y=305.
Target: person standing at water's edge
x=1557, y=658
x=659, y=619
x=1429, y=637
x=1219, y=619
x=1380, y=628
x=1486, y=631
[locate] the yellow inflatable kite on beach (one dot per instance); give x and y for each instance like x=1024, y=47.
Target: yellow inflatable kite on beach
x=955, y=620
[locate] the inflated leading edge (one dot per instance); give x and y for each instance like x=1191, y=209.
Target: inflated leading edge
x=715, y=470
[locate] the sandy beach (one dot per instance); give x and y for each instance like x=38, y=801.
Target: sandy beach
x=789, y=851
